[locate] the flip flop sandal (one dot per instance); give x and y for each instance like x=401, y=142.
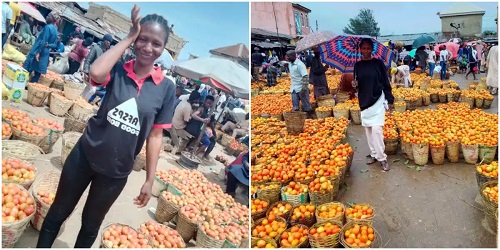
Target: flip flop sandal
x=371, y=161
x=385, y=166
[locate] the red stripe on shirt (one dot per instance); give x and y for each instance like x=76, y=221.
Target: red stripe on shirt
x=163, y=126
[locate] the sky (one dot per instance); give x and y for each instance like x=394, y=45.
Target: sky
x=394, y=18
x=204, y=25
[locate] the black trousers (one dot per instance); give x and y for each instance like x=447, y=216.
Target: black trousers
x=75, y=178
x=73, y=66
x=210, y=147
x=231, y=183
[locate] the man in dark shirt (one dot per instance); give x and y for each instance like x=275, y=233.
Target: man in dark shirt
x=257, y=61
x=198, y=118
x=317, y=76
x=96, y=51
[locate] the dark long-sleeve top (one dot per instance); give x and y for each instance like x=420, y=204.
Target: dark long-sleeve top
x=317, y=76
x=372, y=80
x=95, y=52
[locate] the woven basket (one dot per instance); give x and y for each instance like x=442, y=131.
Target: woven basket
x=205, y=241
x=326, y=101
x=407, y=149
x=391, y=146
x=165, y=211
x=487, y=153
x=140, y=162
x=490, y=206
x=426, y=100
x=48, y=141
x=262, y=214
x=254, y=241
x=36, y=97
x=304, y=181
x=245, y=242
x=449, y=97
x=158, y=186
x=303, y=244
x=285, y=216
x=419, y=102
x=338, y=113
x=481, y=179
x=294, y=122
x=434, y=98
x=69, y=140
x=279, y=219
x=102, y=245
x=342, y=96
x=45, y=81
x=78, y=110
x=411, y=104
x=350, y=225
x=330, y=241
x=12, y=231
x=59, y=105
x=350, y=158
x=468, y=100
x=53, y=91
x=73, y=124
x=17, y=134
x=437, y=154
x=323, y=114
x=186, y=228
x=338, y=219
x=270, y=194
x=471, y=153
x=308, y=222
x=321, y=198
x=421, y=153
x=456, y=96
x=57, y=84
x=47, y=181
x=25, y=184
x=487, y=104
x=226, y=140
x=479, y=102
x=294, y=199
x=355, y=116
x=8, y=136
x=335, y=179
x=453, y=151
x=370, y=219
x=73, y=90
x=279, y=117
x=21, y=150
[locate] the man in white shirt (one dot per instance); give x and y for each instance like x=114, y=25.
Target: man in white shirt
x=444, y=56
x=299, y=88
x=431, y=60
x=6, y=17
x=220, y=105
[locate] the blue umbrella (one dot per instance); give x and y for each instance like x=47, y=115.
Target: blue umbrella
x=422, y=40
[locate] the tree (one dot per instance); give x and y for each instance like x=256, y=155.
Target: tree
x=489, y=33
x=363, y=24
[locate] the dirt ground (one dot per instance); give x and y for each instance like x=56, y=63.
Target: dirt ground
x=439, y=206
x=123, y=210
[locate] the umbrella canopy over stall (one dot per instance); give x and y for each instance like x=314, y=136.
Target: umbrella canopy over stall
x=412, y=53
x=342, y=52
x=222, y=74
x=314, y=39
x=165, y=60
x=237, y=51
x=422, y=40
x=452, y=47
x=30, y=10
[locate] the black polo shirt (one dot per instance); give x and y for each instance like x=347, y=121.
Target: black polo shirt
x=131, y=108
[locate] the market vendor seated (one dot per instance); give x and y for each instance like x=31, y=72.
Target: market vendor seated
x=238, y=129
x=237, y=172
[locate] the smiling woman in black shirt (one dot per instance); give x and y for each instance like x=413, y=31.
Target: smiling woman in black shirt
x=138, y=105
x=374, y=92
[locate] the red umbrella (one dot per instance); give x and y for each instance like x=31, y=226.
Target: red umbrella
x=452, y=47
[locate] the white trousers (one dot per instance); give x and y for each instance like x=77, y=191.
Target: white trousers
x=375, y=138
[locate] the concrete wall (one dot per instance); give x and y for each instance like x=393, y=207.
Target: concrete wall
x=263, y=17
x=469, y=25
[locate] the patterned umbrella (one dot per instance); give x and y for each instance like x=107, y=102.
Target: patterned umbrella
x=314, y=39
x=342, y=52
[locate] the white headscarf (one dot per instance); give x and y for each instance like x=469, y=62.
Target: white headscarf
x=202, y=87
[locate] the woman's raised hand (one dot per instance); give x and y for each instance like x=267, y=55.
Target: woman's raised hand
x=136, y=23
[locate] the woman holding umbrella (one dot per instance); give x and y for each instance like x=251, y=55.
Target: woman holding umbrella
x=374, y=92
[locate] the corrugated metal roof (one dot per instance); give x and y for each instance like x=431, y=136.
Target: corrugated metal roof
x=239, y=51
x=459, y=9
x=269, y=33
x=408, y=39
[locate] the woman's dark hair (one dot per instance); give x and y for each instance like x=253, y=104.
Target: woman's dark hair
x=368, y=41
x=88, y=41
x=210, y=98
x=431, y=47
x=159, y=20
